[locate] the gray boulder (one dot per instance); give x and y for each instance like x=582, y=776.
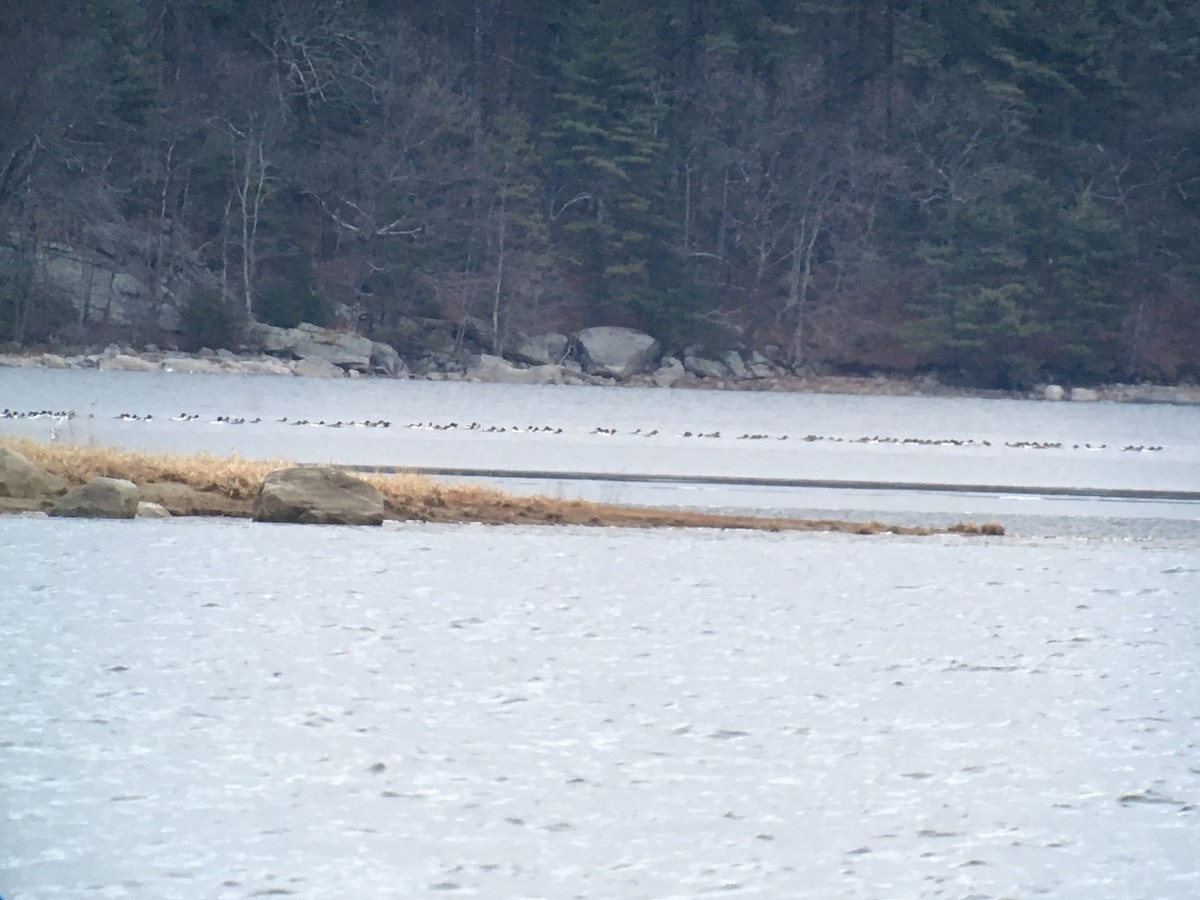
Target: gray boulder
x=13, y=361
x=705, y=368
x=100, y=498
x=262, y=366
x=311, y=342
x=317, y=368
x=123, y=362
x=494, y=369
x=548, y=348
x=669, y=372
x=276, y=341
x=149, y=510
x=384, y=358
x=616, y=352
x=22, y=479
x=190, y=365
x=1053, y=392
x=53, y=361
x=317, y=495
x=1157, y=393
x=736, y=365
x=348, y=351
x=1084, y=395
x=758, y=370
x=761, y=367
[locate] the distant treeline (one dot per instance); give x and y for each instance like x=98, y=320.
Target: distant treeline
x=1000, y=191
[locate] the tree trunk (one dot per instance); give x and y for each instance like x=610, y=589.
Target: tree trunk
x=498, y=296
x=250, y=188
x=799, y=282
x=159, y=263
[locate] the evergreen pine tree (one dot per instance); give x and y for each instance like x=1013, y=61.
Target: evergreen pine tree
x=608, y=170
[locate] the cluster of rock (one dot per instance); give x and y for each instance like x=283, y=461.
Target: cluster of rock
x=30, y=487
x=1179, y=395
x=306, y=494
x=305, y=350
x=602, y=355
x=616, y=355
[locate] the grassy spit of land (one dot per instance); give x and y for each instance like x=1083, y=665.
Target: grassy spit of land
x=209, y=485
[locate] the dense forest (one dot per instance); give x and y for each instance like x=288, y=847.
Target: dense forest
x=997, y=191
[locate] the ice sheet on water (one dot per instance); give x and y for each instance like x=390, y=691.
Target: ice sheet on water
x=198, y=710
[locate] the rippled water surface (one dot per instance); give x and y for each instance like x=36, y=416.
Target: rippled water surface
x=209, y=710
x=201, y=709
x=724, y=435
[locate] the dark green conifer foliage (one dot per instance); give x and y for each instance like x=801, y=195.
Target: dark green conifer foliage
x=608, y=169
x=1006, y=190
x=125, y=56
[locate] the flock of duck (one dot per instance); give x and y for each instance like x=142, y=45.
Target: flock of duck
x=67, y=415
x=38, y=414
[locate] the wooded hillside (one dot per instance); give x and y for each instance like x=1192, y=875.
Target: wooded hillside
x=1000, y=191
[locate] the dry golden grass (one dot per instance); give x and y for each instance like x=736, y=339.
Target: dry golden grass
x=235, y=478
x=233, y=481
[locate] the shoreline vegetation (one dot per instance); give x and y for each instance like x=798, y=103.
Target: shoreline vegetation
x=225, y=486
x=1002, y=193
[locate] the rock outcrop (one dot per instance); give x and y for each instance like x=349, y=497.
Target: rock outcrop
x=192, y=366
x=94, y=282
x=317, y=368
x=669, y=372
x=21, y=479
x=264, y=366
x=346, y=351
x=185, y=500
x=385, y=359
x=761, y=367
x=495, y=369
x=736, y=365
x=616, y=352
x=312, y=343
x=100, y=498
x=318, y=495
x=125, y=362
x=433, y=349
x=705, y=368
x=549, y=348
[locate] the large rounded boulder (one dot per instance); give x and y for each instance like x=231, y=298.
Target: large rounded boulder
x=317, y=495
x=19, y=478
x=100, y=498
x=617, y=352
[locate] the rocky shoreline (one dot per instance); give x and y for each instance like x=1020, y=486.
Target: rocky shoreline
x=598, y=356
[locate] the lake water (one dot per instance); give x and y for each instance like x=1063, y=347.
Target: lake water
x=224, y=710
x=838, y=438
x=220, y=709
